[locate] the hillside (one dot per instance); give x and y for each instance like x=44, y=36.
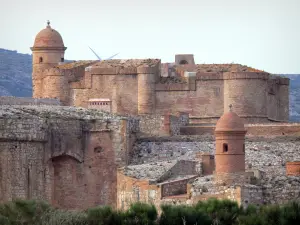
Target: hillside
x=15, y=74
x=16, y=69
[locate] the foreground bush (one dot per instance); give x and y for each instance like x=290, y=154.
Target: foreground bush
x=211, y=212
x=222, y=212
x=178, y=215
x=22, y=212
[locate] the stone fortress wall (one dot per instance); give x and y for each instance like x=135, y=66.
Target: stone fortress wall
x=8, y=100
x=65, y=155
x=265, y=97
x=146, y=86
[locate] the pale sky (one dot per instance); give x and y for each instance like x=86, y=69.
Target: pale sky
x=264, y=34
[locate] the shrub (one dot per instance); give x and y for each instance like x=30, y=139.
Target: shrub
x=291, y=213
x=103, y=216
x=59, y=217
x=222, y=212
x=249, y=216
x=182, y=214
x=140, y=214
x=24, y=212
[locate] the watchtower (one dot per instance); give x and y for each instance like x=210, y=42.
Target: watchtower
x=230, y=144
x=47, y=51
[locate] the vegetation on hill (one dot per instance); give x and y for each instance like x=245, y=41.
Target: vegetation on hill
x=213, y=211
x=15, y=74
x=16, y=70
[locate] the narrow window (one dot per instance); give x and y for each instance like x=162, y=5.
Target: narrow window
x=62, y=59
x=28, y=184
x=40, y=59
x=225, y=147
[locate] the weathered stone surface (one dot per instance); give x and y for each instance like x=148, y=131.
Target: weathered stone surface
x=66, y=155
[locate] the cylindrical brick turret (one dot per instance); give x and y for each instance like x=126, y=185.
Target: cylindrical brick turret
x=146, y=90
x=48, y=50
x=230, y=144
x=293, y=168
x=247, y=91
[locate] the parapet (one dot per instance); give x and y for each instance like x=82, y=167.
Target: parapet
x=123, y=67
x=246, y=75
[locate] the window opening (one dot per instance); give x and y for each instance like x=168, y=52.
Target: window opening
x=225, y=147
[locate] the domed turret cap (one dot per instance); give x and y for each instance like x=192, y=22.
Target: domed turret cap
x=230, y=121
x=48, y=38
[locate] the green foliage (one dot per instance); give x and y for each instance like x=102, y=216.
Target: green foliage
x=58, y=217
x=291, y=213
x=21, y=212
x=182, y=214
x=211, y=212
x=103, y=216
x=222, y=212
x=140, y=214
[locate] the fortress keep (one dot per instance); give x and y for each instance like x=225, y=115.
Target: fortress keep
x=147, y=86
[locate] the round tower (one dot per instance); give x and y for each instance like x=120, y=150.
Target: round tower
x=247, y=91
x=47, y=51
x=230, y=145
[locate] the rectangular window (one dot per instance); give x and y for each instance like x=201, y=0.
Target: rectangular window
x=225, y=147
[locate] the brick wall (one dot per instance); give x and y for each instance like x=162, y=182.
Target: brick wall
x=247, y=92
x=197, y=103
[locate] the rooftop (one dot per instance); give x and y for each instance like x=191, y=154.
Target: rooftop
x=225, y=68
x=125, y=63
x=54, y=111
x=72, y=65
x=151, y=171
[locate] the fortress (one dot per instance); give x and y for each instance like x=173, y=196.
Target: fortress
x=119, y=131
x=138, y=87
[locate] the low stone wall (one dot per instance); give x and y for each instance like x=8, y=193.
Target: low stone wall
x=177, y=121
x=8, y=100
x=271, y=129
x=185, y=167
x=251, y=194
x=172, y=188
x=162, y=125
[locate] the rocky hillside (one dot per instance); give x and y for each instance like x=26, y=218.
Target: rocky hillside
x=15, y=79
x=15, y=74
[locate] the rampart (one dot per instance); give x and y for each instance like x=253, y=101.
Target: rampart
x=64, y=155
x=136, y=87
x=257, y=130
x=162, y=125
x=10, y=100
